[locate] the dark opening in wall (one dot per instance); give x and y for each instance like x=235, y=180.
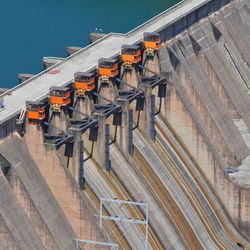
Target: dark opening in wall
x=5, y=165
x=240, y=245
x=5, y=170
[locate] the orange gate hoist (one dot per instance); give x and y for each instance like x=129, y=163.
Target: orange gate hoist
x=59, y=98
x=108, y=68
x=36, y=111
x=152, y=43
x=85, y=82
x=131, y=54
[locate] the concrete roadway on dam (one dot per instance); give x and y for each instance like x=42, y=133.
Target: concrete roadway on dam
x=38, y=86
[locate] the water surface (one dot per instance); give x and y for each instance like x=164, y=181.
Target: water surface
x=31, y=29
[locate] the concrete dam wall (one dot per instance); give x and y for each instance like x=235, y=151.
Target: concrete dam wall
x=171, y=131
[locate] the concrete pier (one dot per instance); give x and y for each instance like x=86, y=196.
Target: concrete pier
x=72, y=50
x=24, y=77
x=95, y=36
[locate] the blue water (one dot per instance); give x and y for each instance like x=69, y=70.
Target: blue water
x=31, y=29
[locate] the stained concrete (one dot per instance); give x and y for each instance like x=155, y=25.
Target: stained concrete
x=39, y=192
x=242, y=177
x=15, y=220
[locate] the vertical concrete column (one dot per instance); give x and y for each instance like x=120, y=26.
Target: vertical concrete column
x=86, y=106
x=148, y=112
x=123, y=130
x=73, y=156
x=99, y=149
x=81, y=178
x=152, y=117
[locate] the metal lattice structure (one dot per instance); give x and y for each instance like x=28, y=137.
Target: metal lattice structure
x=80, y=241
x=128, y=220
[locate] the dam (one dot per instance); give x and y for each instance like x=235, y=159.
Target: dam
x=137, y=141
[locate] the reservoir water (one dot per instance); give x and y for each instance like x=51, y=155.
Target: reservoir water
x=31, y=29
